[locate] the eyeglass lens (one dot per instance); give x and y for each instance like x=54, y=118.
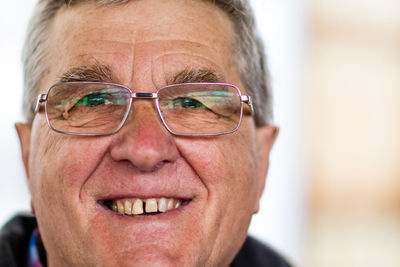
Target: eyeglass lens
x=188, y=109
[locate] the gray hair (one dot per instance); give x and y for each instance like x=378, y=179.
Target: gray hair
x=249, y=48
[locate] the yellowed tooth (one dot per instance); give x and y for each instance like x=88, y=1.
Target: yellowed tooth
x=137, y=207
x=178, y=204
x=120, y=207
x=162, y=205
x=114, y=206
x=170, y=204
x=128, y=207
x=151, y=205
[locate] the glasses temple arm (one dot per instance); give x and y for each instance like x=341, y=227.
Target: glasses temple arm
x=247, y=99
x=40, y=99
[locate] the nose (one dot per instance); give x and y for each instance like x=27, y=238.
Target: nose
x=143, y=140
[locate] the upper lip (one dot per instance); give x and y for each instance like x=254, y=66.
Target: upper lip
x=125, y=193
x=133, y=196
x=134, y=188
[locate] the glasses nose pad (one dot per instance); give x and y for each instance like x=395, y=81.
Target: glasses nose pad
x=161, y=116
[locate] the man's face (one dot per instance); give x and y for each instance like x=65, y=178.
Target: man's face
x=145, y=45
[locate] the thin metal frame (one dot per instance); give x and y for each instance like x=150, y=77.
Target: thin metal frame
x=42, y=98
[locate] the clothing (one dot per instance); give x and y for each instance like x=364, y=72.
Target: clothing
x=14, y=240
x=16, y=235
x=255, y=254
x=33, y=250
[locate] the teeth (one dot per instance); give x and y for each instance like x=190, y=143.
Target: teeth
x=162, y=205
x=120, y=207
x=170, y=204
x=114, y=206
x=151, y=205
x=137, y=207
x=128, y=207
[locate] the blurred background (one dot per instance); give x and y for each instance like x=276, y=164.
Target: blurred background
x=332, y=196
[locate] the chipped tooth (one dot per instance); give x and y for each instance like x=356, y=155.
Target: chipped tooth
x=162, y=205
x=137, y=207
x=114, y=206
x=128, y=207
x=178, y=204
x=120, y=207
x=170, y=204
x=151, y=205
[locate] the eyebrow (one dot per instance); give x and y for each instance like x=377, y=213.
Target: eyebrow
x=103, y=73
x=190, y=75
x=90, y=73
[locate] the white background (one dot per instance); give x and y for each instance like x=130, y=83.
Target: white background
x=281, y=220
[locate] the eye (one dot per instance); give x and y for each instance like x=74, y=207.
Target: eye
x=188, y=103
x=93, y=100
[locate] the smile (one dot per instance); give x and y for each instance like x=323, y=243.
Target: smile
x=138, y=206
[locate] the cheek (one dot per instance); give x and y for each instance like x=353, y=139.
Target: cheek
x=62, y=163
x=225, y=164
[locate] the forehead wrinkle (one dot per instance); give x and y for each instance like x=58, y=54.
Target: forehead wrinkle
x=110, y=36
x=186, y=46
x=196, y=66
x=114, y=23
x=190, y=53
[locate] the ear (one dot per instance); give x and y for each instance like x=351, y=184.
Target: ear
x=266, y=137
x=24, y=134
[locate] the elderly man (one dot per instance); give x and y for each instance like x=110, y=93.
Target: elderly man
x=147, y=136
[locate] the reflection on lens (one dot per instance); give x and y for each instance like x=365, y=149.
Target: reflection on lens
x=200, y=108
x=87, y=108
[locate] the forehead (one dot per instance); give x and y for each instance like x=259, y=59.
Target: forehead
x=141, y=33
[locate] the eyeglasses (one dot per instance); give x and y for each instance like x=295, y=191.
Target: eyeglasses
x=99, y=108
